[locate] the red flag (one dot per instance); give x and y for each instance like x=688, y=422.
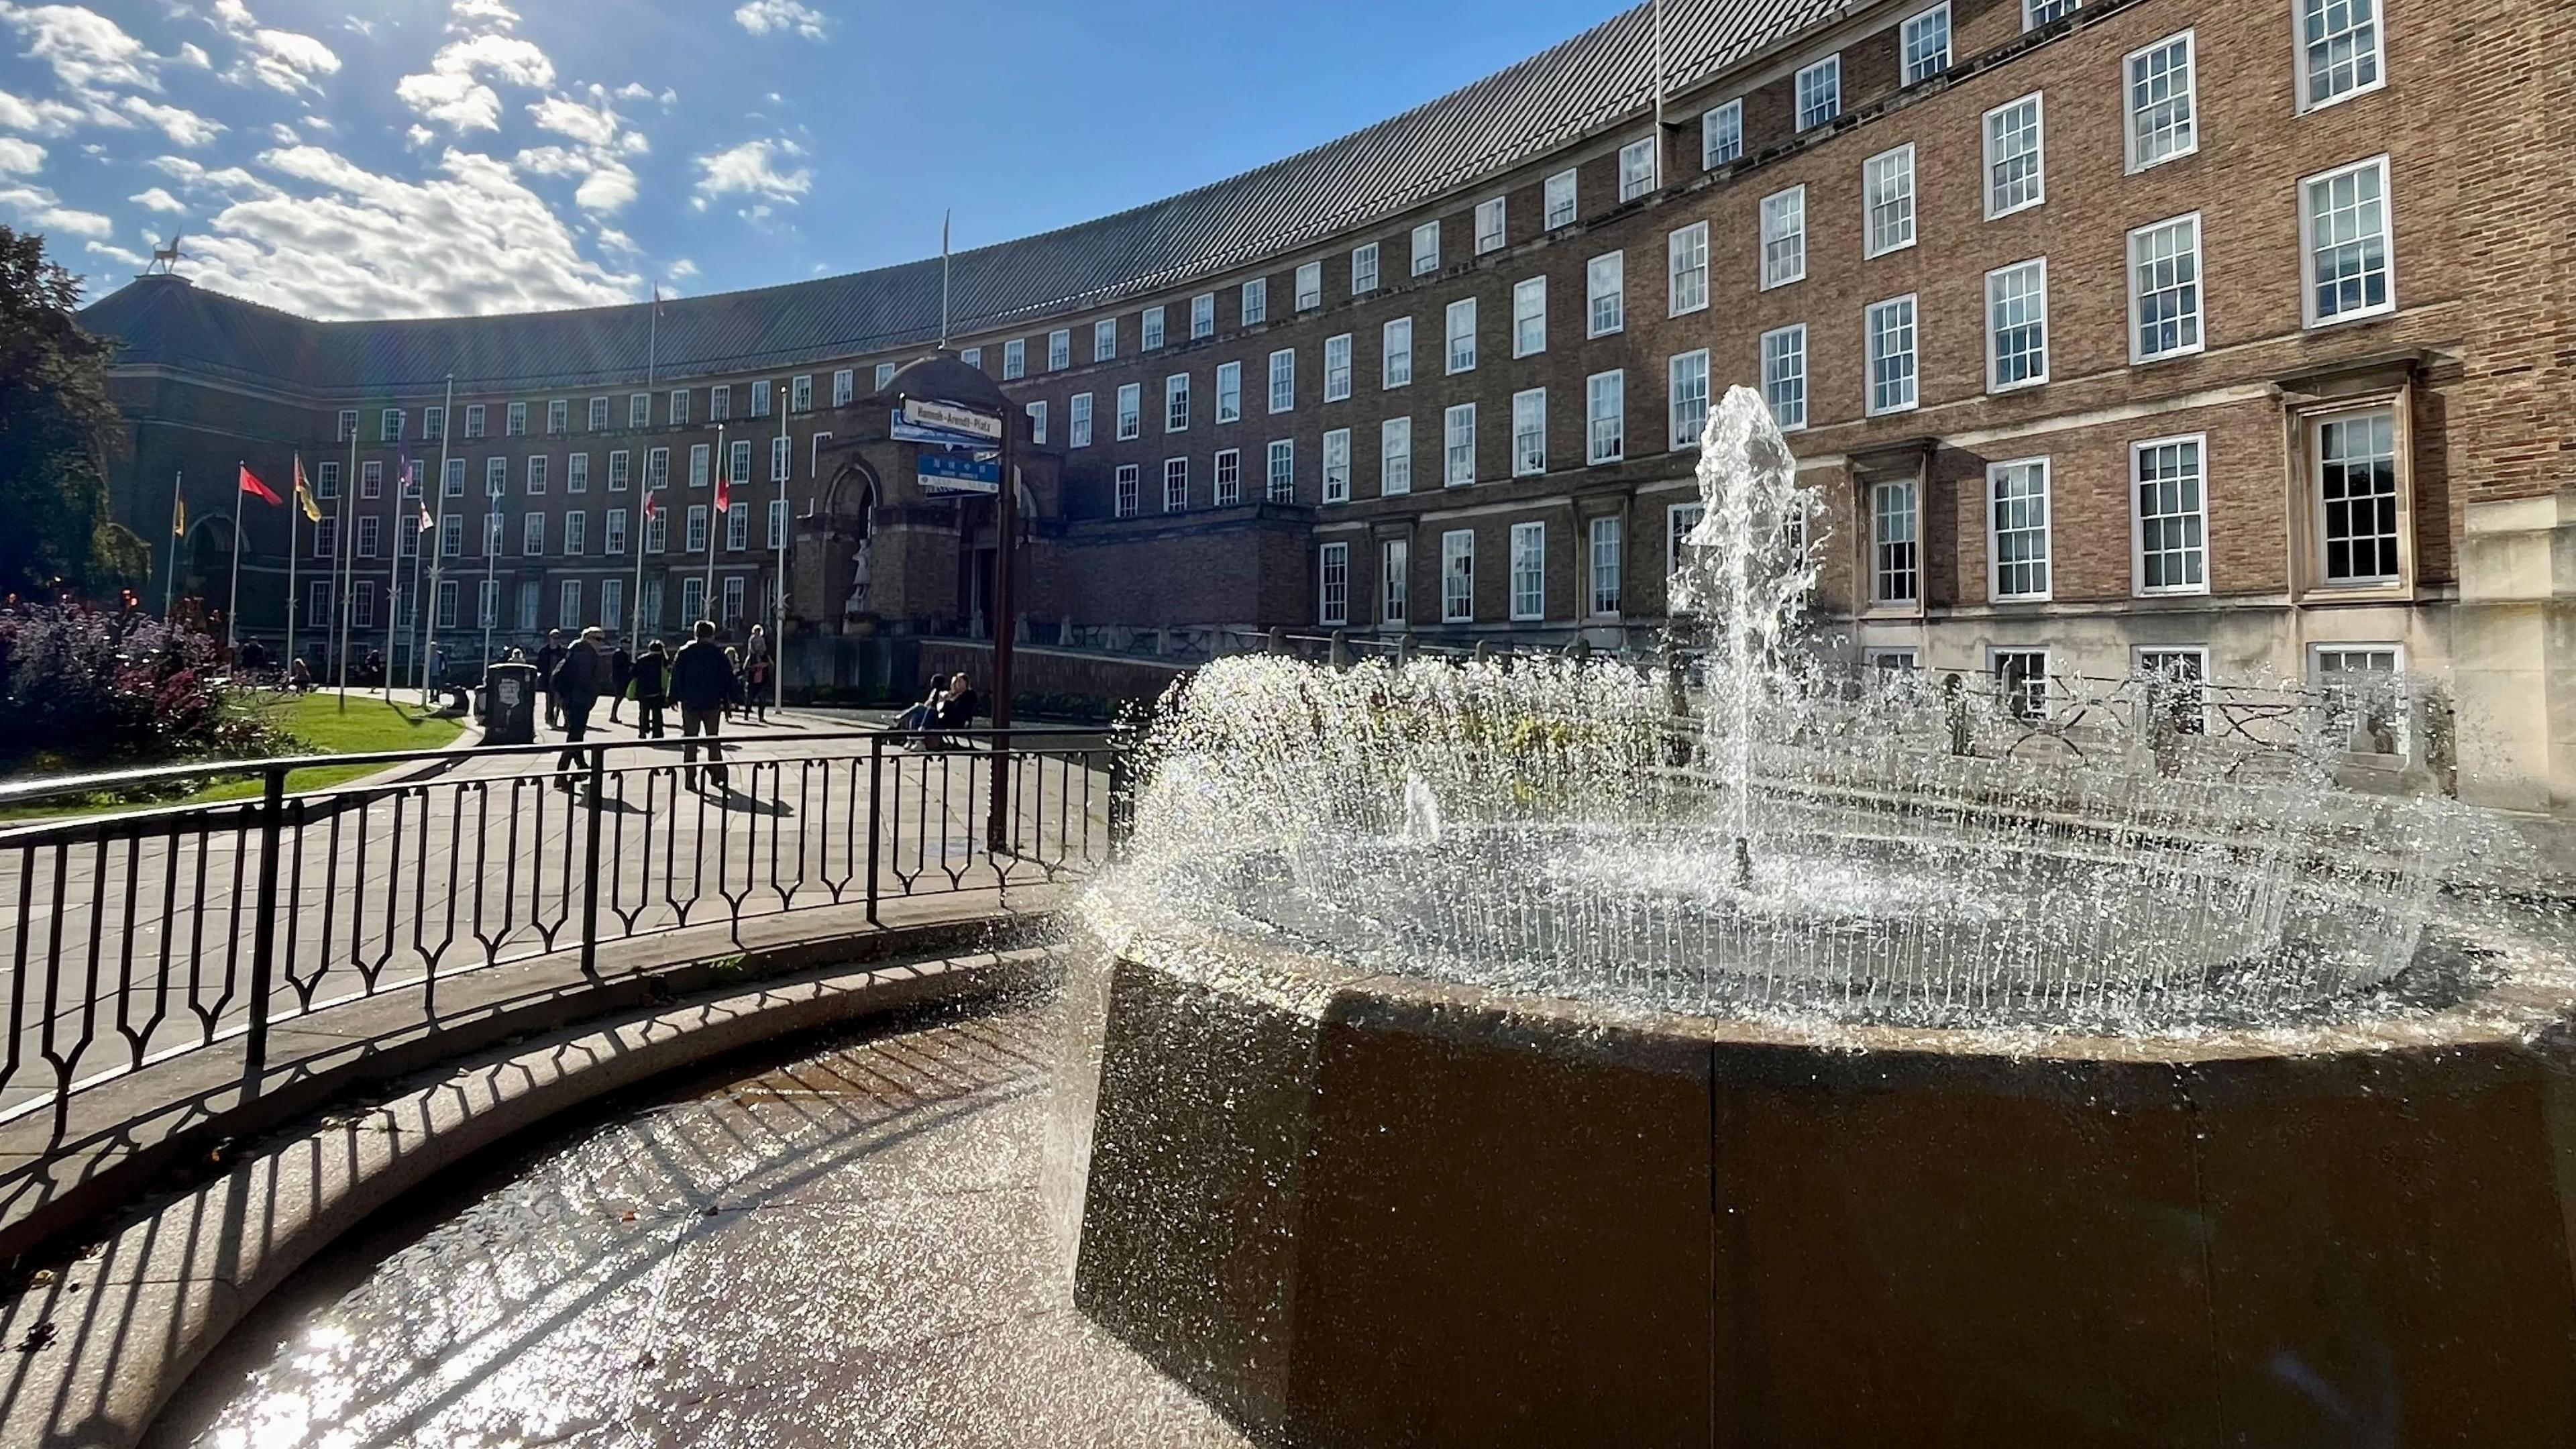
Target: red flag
x=652, y=504
x=724, y=493
x=251, y=485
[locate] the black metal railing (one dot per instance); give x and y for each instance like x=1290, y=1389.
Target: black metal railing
x=136, y=936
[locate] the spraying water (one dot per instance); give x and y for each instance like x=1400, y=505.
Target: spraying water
x=1793, y=845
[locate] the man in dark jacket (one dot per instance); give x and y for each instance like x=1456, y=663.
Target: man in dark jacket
x=652, y=690
x=579, y=681
x=621, y=672
x=547, y=659
x=702, y=682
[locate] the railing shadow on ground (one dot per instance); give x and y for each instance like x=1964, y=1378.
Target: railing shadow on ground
x=130, y=941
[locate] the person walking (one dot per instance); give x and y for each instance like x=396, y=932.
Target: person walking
x=578, y=683
x=755, y=672
x=703, y=681
x=652, y=690
x=621, y=673
x=547, y=658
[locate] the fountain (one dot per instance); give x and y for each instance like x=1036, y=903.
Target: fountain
x=1495, y=1053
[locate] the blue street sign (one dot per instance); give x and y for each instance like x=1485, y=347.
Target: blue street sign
x=957, y=473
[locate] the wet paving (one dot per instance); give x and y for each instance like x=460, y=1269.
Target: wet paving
x=844, y=1247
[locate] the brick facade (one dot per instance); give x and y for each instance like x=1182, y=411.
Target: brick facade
x=2473, y=361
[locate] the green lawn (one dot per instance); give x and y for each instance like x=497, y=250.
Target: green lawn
x=320, y=727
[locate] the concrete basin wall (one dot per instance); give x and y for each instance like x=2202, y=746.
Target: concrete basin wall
x=1360, y=1210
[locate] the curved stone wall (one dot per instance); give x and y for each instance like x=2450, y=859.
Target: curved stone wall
x=1362, y=1210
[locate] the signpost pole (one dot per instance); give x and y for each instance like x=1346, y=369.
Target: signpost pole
x=997, y=832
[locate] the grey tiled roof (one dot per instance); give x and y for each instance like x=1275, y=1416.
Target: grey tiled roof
x=1561, y=94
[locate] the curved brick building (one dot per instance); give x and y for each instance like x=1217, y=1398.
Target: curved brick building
x=2230, y=337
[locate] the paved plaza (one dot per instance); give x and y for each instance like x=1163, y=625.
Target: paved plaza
x=851, y=1247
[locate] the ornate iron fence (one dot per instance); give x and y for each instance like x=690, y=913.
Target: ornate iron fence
x=133, y=937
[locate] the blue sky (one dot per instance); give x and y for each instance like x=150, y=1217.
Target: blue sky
x=408, y=157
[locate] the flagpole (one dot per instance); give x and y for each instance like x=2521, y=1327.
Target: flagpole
x=778, y=613
x=178, y=518
x=294, y=507
x=943, y=279
x=635, y=540
x=393, y=568
x=344, y=551
x=429, y=630
x=724, y=477
x=232, y=605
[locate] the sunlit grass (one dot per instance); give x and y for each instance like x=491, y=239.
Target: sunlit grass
x=318, y=725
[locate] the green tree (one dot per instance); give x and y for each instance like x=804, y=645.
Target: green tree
x=56, y=423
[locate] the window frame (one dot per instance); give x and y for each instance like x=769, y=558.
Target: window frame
x=1388, y=429
x=1388, y=352
x=1060, y=348
x=2308, y=317
x=1905, y=38
x=1331, y=491
x=1995, y=656
x=1830, y=68
x=1673, y=396
x=1279, y=471
x=1124, y=483
x=1676, y=242
x=1127, y=419
x=1596, y=557
x=1340, y=341
x=1636, y=187
x=1879, y=546
x=2303, y=82
x=1573, y=199
x=1450, y=336
x=1252, y=302
x=1527, y=404
x=1202, y=316
x=1425, y=259
x=1364, y=281
x=1994, y=334
x=1176, y=403
x=1594, y=455
x=1104, y=339
x=1725, y=121
x=1329, y=559
x=1394, y=581
x=2138, y=586
x=2038, y=102
x=1500, y=235
x=1283, y=381
x=1763, y=360
x=1594, y=294
x=1870, y=246
x=1871, y=406
x=1464, y=610
x=1526, y=545
x=1308, y=294
x=2311, y=423
x=1225, y=479
x=2047, y=556
x=2199, y=343
x=1522, y=291
x=1176, y=485
x=1450, y=417
x=1776, y=203
x=1229, y=392
x=2129, y=132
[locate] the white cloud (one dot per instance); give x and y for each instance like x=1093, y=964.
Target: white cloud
x=467, y=13
x=195, y=55
x=341, y=241
x=184, y=127
x=452, y=91
x=46, y=117
x=157, y=199
x=606, y=183
x=760, y=17
x=44, y=211
x=752, y=170
x=285, y=61
x=86, y=49
x=21, y=156
x=116, y=254
x=592, y=126
x=284, y=134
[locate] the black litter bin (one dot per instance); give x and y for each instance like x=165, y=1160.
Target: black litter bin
x=510, y=704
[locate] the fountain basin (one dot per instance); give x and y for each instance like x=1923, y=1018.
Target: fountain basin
x=1357, y=1209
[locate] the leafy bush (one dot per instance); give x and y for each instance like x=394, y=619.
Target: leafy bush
x=98, y=689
